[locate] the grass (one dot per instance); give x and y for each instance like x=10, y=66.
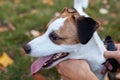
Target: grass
x=21, y=16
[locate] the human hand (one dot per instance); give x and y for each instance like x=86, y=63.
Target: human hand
x=75, y=70
x=113, y=54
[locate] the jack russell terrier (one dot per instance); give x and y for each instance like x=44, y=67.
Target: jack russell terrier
x=72, y=35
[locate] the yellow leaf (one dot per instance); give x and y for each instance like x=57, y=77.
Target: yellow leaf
x=5, y=60
x=49, y=2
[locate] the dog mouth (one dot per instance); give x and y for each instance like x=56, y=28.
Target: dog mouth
x=55, y=58
x=47, y=61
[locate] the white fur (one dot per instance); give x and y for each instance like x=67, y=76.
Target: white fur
x=98, y=50
x=43, y=46
x=55, y=25
x=92, y=51
x=79, y=5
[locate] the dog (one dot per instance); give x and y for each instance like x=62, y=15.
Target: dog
x=72, y=35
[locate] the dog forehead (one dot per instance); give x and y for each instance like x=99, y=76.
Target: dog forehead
x=57, y=24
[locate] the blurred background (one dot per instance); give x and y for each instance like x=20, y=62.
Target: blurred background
x=23, y=20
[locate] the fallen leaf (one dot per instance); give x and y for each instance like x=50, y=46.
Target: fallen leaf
x=11, y=27
x=5, y=60
x=33, y=11
x=57, y=14
x=113, y=14
x=35, y=33
x=38, y=77
x=49, y=2
x=6, y=27
x=3, y=28
x=103, y=11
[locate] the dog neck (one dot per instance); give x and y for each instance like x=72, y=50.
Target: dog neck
x=99, y=43
x=93, y=52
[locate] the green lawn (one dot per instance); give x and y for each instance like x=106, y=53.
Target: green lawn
x=21, y=16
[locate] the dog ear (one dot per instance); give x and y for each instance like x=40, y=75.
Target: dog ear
x=86, y=28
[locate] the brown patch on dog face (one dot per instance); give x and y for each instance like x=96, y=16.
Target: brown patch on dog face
x=68, y=33
x=76, y=28
x=65, y=13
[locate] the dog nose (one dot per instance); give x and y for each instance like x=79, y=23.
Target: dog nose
x=27, y=48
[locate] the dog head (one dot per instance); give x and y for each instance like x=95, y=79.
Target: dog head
x=64, y=35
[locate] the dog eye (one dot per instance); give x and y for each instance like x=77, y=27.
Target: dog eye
x=53, y=36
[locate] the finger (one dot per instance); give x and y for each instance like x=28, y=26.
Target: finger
x=108, y=54
x=118, y=76
x=112, y=54
x=117, y=46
